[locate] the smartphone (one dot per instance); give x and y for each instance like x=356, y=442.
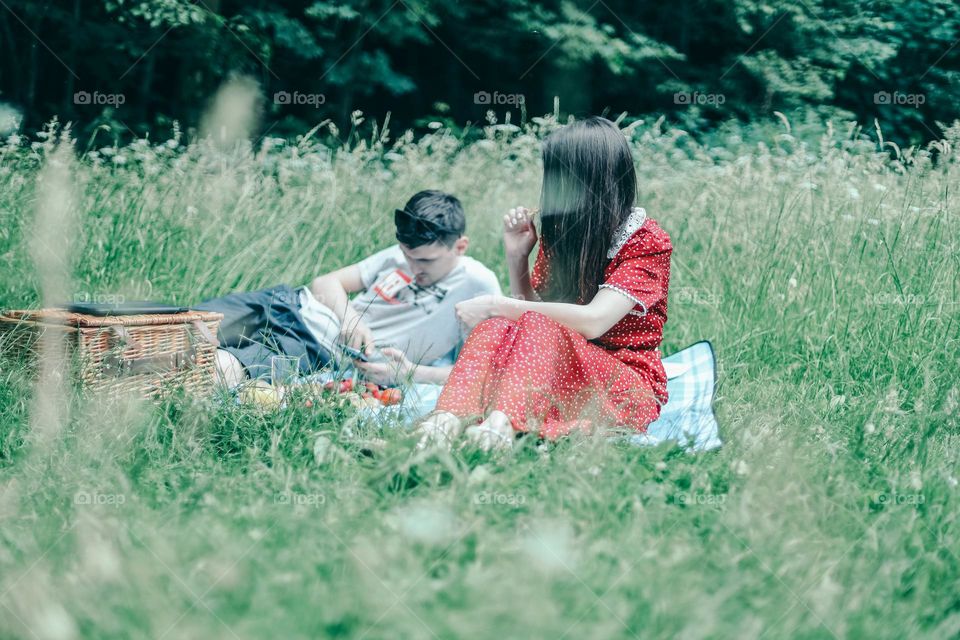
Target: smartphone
x=356, y=354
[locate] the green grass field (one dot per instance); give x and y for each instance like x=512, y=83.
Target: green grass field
x=824, y=268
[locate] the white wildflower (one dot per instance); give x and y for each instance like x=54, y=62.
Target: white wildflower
x=479, y=475
x=550, y=545
x=51, y=620
x=430, y=524
x=916, y=482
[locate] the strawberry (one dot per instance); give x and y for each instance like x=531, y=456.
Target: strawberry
x=390, y=396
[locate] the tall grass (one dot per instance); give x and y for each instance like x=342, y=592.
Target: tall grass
x=824, y=269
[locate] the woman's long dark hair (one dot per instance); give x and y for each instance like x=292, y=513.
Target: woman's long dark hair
x=589, y=188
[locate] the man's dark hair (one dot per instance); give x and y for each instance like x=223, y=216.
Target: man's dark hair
x=430, y=216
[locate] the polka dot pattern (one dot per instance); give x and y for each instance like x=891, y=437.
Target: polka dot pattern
x=551, y=380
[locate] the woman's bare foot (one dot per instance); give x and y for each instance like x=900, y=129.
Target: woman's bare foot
x=494, y=433
x=438, y=429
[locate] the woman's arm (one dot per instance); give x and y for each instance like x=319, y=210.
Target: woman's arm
x=520, y=286
x=591, y=320
x=430, y=374
x=519, y=239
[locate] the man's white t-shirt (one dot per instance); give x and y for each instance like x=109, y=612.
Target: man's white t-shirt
x=420, y=321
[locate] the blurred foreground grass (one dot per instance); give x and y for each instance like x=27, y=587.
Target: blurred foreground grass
x=825, y=271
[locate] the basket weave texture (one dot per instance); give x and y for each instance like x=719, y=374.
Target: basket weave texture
x=142, y=354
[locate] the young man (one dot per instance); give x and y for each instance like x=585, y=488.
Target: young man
x=404, y=313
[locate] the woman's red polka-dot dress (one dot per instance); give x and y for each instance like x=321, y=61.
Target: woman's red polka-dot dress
x=550, y=379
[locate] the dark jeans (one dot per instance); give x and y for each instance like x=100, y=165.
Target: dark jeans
x=260, y=324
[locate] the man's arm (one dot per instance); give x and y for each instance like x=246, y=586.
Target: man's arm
x=398, y=368
x=332, y=290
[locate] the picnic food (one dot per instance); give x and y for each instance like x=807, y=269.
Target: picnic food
x=360, y=395
x=261, y=393
x=390, y=396
x=369, y=393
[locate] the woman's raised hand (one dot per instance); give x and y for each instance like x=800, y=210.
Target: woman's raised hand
x=519, y=234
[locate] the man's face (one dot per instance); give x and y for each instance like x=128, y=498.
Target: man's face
x=432, y=262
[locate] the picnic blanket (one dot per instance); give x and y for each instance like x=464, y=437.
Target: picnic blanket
x=687, y=418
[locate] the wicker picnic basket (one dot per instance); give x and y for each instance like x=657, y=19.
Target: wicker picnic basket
x=142, y=354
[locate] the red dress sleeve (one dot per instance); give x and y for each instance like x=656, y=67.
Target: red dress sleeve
x=641, y=269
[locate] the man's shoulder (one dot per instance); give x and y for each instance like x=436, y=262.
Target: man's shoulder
x=375, y=264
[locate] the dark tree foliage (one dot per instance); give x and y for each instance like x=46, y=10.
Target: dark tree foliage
x=139, y=64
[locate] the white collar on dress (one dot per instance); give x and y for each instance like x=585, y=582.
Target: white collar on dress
x=638, y=216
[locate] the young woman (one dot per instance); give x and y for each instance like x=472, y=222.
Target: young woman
x=577, y=345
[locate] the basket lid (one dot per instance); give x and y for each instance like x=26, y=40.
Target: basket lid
x=69, y=318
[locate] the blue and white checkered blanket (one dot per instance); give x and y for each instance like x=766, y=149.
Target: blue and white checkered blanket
x=687, y=418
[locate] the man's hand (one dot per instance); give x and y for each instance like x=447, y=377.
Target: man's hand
x=354, y=333
x=519, y=234
x=395, y=370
